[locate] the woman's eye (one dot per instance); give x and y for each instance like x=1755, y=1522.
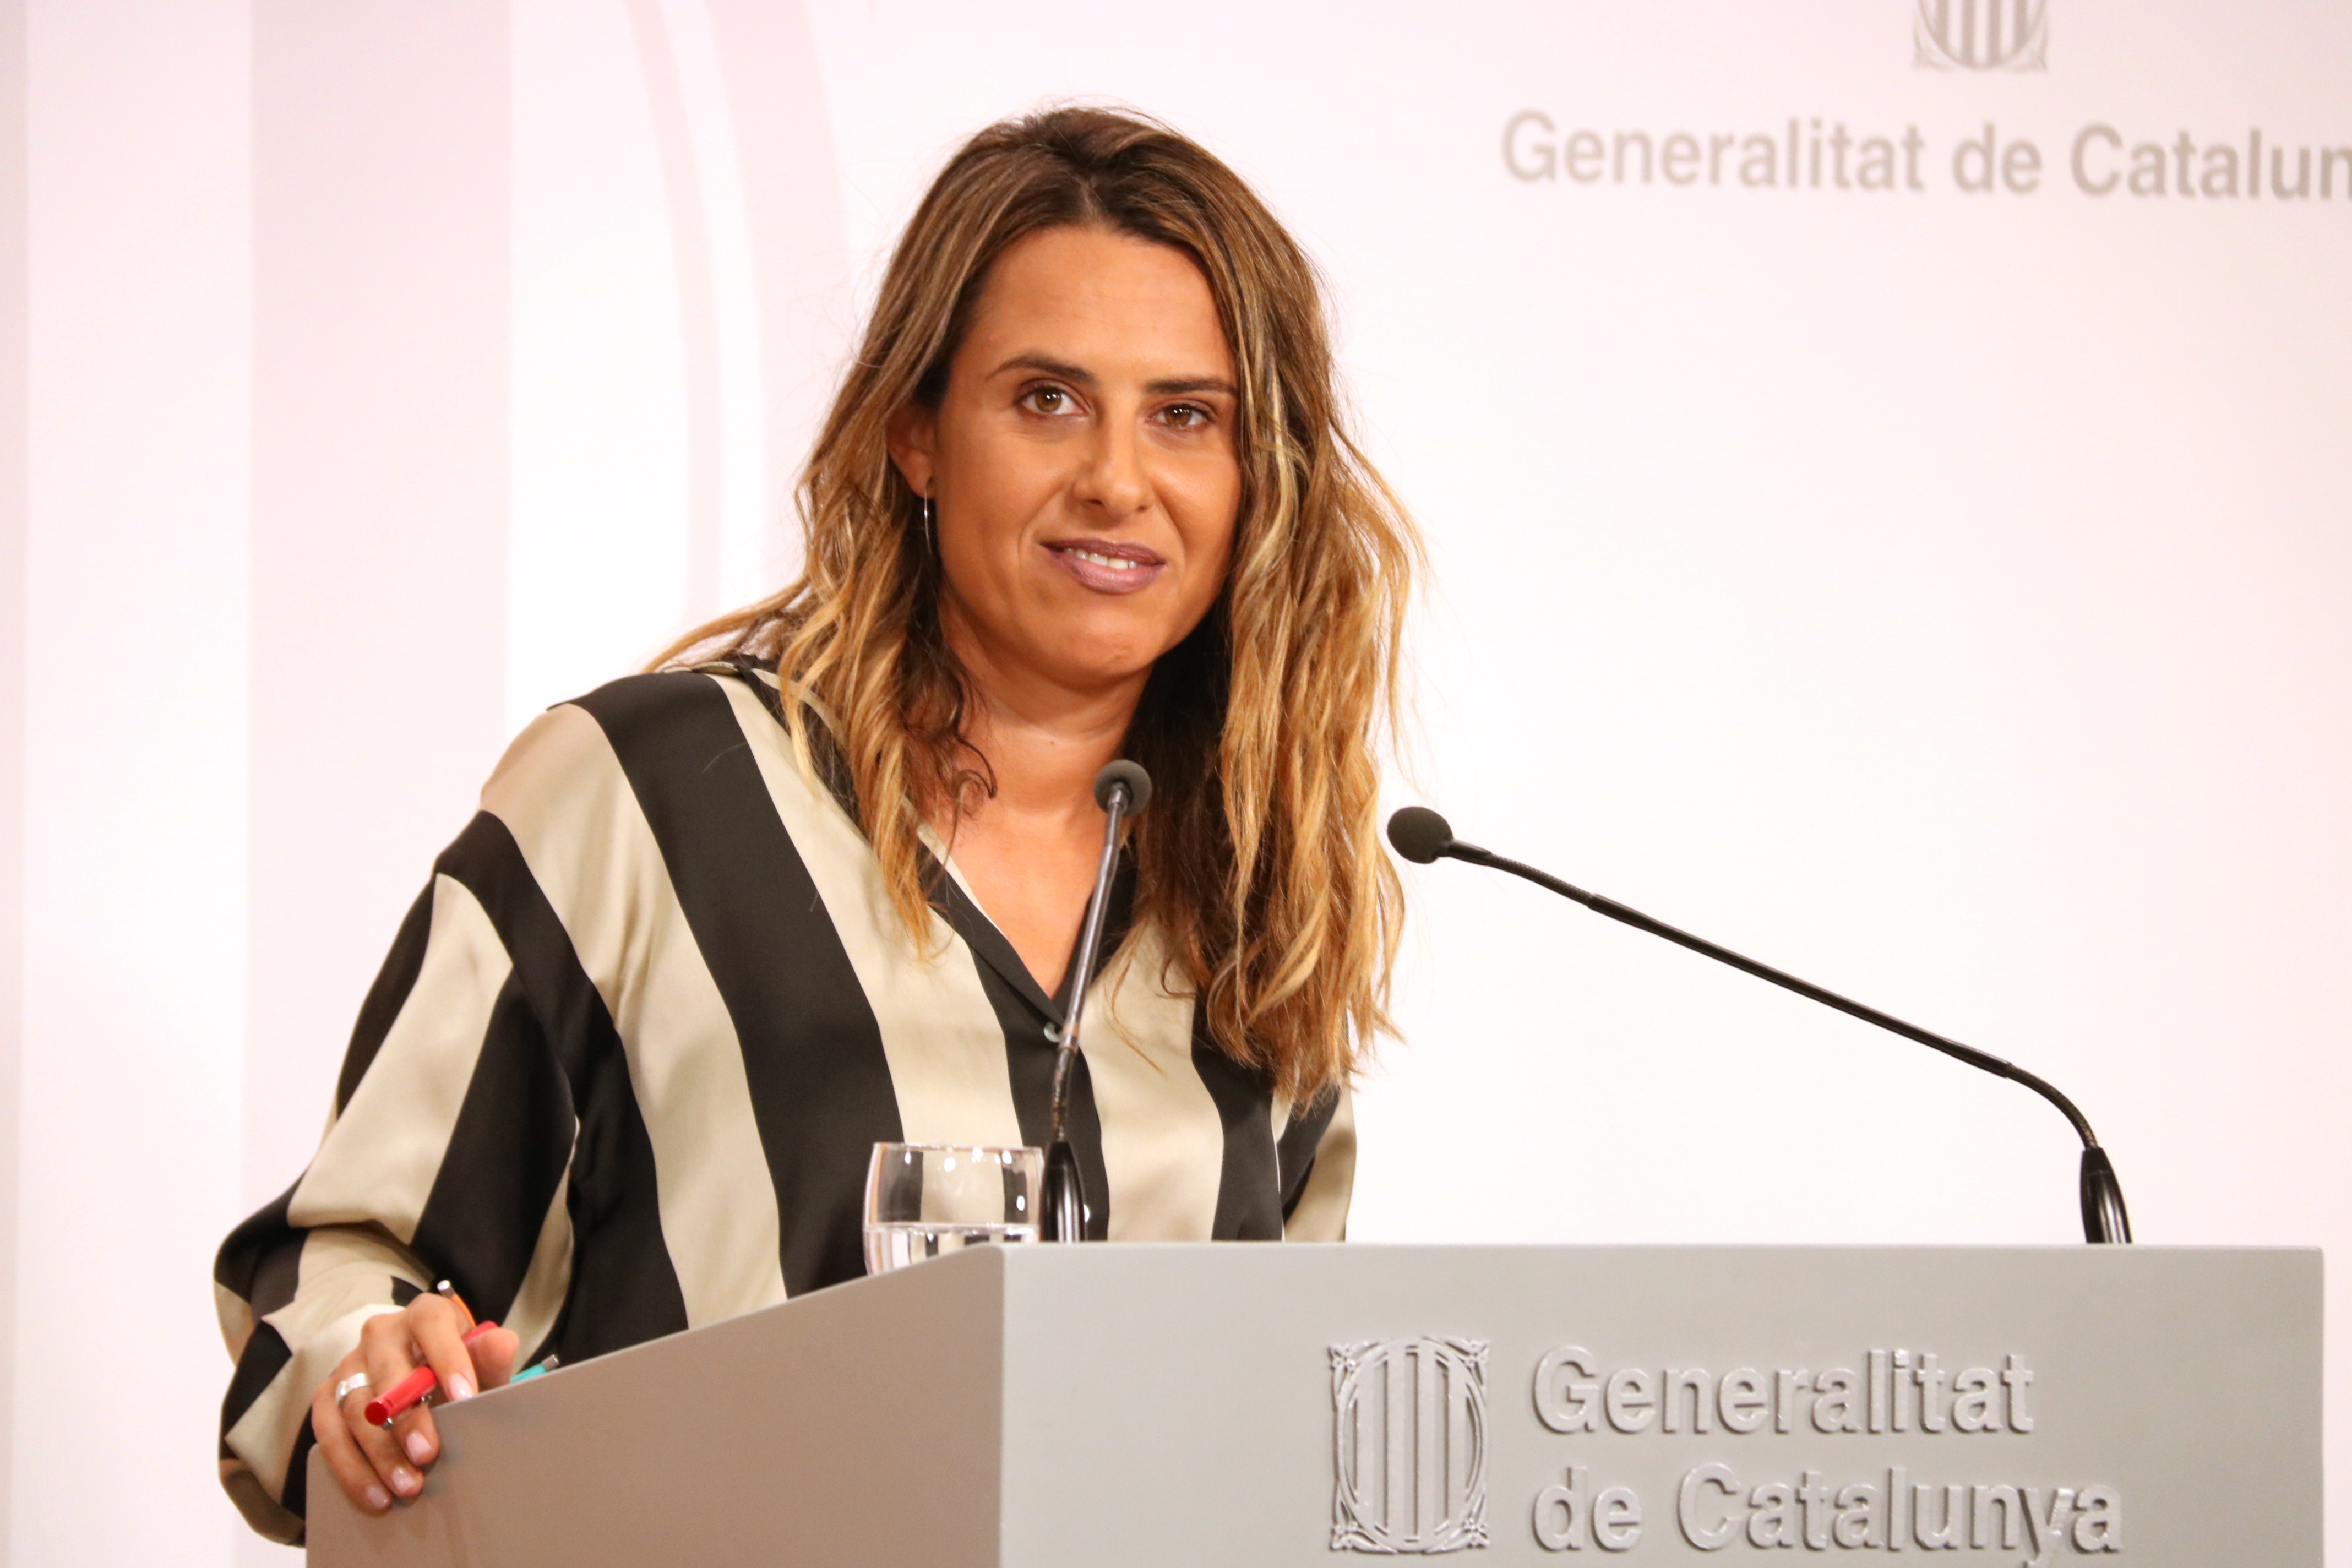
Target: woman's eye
x=1187, y=416
x=1047, y=400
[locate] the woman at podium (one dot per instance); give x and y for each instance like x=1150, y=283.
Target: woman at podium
x=1085, y=492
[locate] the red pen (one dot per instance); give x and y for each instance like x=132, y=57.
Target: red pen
x=414, y=1387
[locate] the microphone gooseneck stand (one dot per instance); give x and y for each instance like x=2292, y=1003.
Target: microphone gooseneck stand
x=1122, y=789
x=1422, y=836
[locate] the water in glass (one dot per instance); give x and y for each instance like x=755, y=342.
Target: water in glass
x=895, y=1246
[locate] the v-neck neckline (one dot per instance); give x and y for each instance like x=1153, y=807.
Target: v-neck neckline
x=955, y=900
x=944, y=887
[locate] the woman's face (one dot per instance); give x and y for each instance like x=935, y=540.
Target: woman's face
x=1082, y=461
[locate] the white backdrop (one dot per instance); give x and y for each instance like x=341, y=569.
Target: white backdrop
x=1936, y=590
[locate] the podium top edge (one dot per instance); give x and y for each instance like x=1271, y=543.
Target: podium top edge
x=1726, y=1249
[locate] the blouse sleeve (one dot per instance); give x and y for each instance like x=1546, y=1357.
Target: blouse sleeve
x=1318, y=1157
x=446, y=1157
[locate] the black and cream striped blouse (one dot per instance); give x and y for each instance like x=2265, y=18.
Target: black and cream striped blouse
x=623, y=1068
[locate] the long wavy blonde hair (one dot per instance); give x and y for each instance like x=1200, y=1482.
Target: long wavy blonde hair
x=1259, y=862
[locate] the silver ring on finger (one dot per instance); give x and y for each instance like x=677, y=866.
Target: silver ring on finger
x=352, y=1385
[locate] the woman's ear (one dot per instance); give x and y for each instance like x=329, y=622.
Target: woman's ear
x=912, y=437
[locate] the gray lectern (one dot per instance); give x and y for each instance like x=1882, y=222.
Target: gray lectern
x=1090, y=1406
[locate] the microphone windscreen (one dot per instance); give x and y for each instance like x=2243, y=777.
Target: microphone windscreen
x=1131, y=774
x=1420, y=835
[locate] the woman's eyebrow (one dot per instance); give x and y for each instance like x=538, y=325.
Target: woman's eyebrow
x=1177, y=388
x=1046, y=365
x=1078, y=375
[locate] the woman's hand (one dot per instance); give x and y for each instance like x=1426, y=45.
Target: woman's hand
x=374, y=1465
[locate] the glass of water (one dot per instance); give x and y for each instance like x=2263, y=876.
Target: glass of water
x=925, y=1199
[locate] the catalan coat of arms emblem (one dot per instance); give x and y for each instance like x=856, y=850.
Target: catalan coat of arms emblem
x=1983, y=34
x=1409, y=1445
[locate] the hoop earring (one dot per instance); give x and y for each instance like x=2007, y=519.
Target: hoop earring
x=932, y=525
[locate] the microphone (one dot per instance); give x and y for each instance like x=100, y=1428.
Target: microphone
x=1421, y=835
x=1122, y=789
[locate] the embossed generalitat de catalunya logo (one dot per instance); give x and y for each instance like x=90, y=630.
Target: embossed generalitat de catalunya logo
x=1409, y=1445
x=1983, y=34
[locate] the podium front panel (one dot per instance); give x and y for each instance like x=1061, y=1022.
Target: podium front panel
x=2142, y=1404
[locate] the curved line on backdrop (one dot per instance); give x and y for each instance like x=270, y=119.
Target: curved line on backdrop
x=791, y=191
x=698, y=303
x=754, y=199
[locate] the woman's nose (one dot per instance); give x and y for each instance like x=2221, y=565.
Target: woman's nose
x=1114, y=477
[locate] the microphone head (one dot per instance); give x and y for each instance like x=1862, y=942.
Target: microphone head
x=1420, y=835
x=1131, y=774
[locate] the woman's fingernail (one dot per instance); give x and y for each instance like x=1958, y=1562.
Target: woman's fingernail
x=378, y=1498
x=404, y=1481
x=461, y=1387
x=418, y=1448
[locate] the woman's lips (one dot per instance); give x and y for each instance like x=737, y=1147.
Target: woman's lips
x=1107, y=565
